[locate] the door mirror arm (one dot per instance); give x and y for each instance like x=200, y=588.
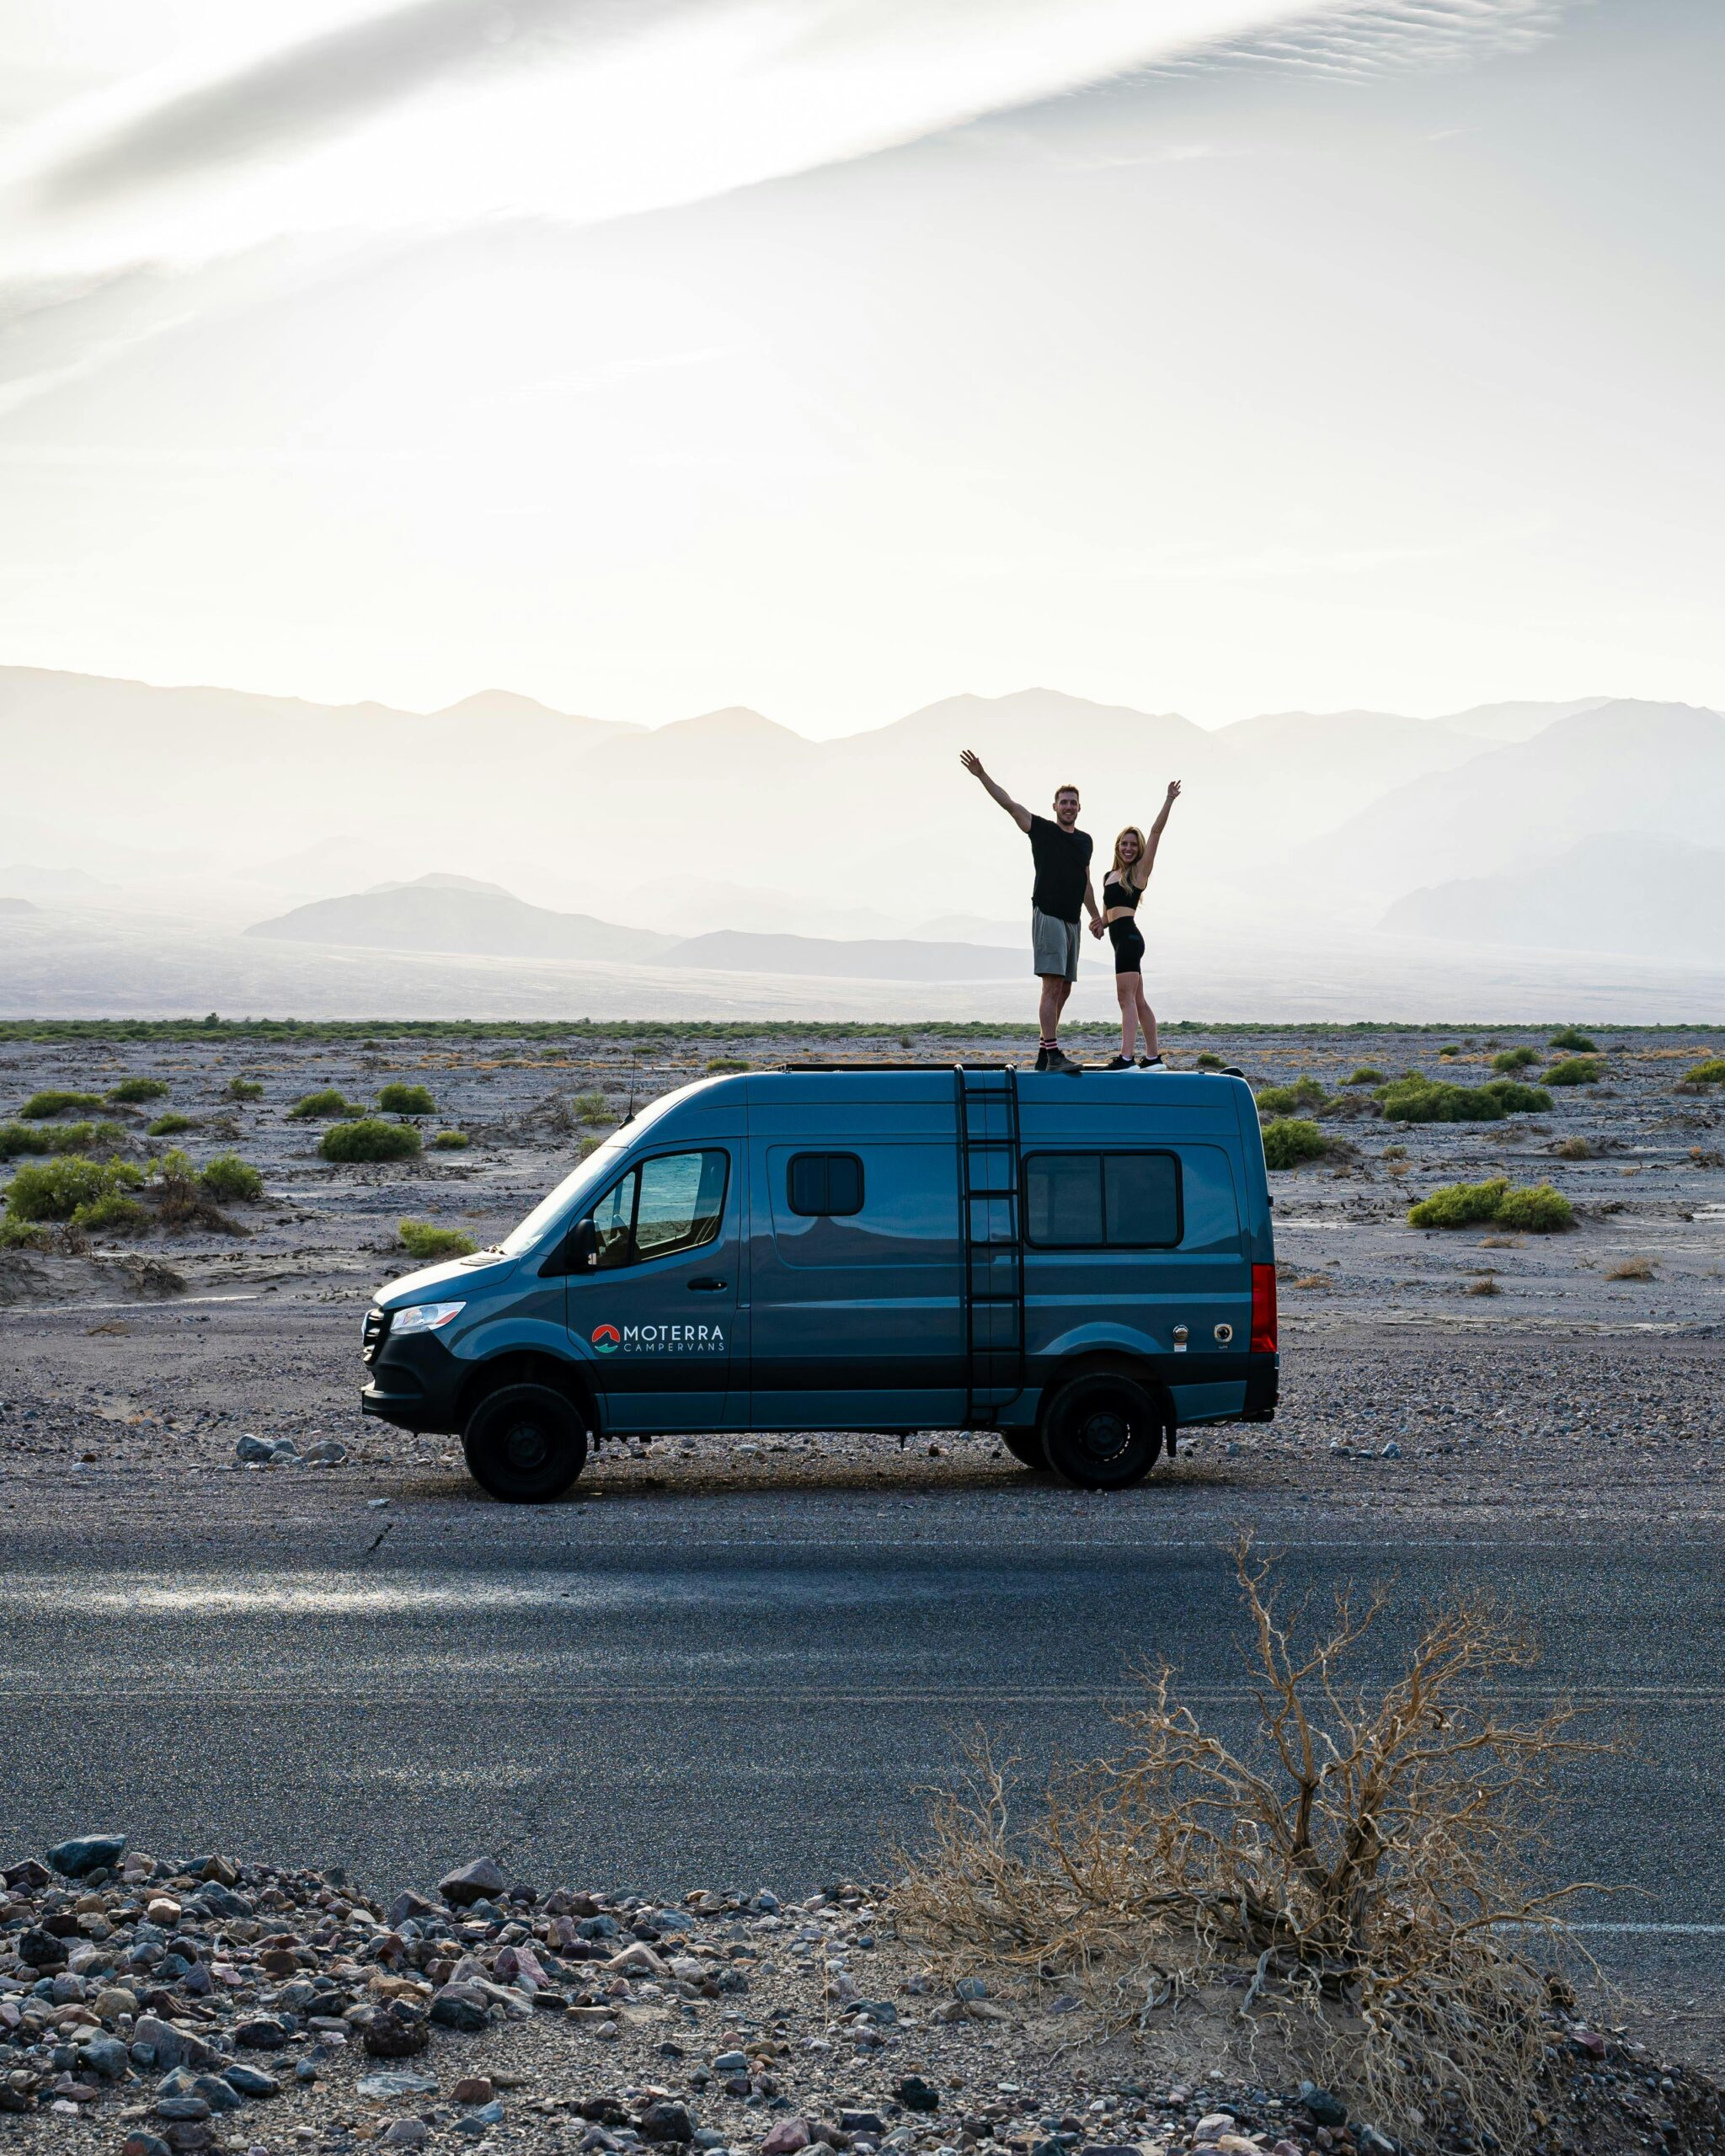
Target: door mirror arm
x=580, y=1250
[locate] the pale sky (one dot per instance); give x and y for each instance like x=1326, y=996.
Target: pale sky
x=831, y=357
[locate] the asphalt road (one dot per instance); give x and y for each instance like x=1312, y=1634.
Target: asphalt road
x=613, y=1701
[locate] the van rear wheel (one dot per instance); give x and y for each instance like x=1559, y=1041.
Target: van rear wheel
x=1026, y=1447
x=1102, y=1432
x=524, y=1443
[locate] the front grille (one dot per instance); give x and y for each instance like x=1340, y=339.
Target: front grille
x=372, y=1334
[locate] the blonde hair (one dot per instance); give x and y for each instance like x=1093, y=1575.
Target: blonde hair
x=1119, y=867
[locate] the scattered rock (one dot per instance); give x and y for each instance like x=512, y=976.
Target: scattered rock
x=327, y=1452
x=86, y=1852
x=387, y=2087
x=1325, y=2109
x=472, y=2088
x=263, y=2033
x=251, y=2080
x=664, y=2121
x=460, y=2006
x=786, y=2137
x=482, y=1881
x=916, y=2095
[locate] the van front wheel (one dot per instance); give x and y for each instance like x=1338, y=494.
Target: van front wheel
x=524, y=1443
x=1102, y=1432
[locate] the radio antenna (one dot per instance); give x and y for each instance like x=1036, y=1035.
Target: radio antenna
x=634, y=1065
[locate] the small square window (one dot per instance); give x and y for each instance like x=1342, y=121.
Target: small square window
x=825, y=1183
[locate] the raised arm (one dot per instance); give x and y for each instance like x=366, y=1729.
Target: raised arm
x=1155, y=836
x=973, y=764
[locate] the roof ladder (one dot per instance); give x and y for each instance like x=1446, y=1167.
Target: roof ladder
x=993, y=1240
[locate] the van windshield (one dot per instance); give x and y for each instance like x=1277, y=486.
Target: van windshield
x=564, y=1201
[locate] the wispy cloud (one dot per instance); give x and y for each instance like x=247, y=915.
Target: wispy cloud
x=1361, y=38
x=440, y=112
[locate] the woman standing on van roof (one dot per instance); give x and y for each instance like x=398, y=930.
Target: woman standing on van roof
x=1122, y=888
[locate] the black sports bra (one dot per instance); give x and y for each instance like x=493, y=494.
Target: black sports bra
x=1114, y=893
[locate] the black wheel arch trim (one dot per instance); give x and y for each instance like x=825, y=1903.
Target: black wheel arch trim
x=528, y=1366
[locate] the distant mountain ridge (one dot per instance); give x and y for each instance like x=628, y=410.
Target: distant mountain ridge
x=619, y=842
x=457, y=916
x=1617, y=891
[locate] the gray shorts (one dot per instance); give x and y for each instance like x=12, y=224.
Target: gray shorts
x=1053, y=945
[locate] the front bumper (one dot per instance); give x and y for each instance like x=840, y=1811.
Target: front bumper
x=413, y=1384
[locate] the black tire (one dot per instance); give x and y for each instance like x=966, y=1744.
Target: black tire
x=1102, y=1432
x=524, y=1443
x=1026, y=1447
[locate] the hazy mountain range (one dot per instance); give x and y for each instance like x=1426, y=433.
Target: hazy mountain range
x=1306, y=844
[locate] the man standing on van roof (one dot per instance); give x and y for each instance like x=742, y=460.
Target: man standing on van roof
x=1062, y=889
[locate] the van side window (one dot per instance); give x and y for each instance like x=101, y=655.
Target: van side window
x=825, y=1183
x=1095, y=1201
x=673, y=1203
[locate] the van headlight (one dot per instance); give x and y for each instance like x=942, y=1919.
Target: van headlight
x=423, y=1317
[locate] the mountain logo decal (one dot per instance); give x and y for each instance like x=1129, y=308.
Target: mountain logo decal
x=605, y=1338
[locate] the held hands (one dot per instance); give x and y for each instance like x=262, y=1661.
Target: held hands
x=1099, y=928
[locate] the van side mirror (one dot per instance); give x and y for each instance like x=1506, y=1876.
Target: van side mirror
x=581, y=1248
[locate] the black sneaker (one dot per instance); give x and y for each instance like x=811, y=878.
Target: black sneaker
x=1058, y=1060
x=1118, y=1063
x=1151, y=1063
x=1042, y=1059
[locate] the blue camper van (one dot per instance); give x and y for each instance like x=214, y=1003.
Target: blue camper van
x=1083, y=1264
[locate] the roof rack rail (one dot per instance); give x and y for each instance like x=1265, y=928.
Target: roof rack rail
x=886, y=1063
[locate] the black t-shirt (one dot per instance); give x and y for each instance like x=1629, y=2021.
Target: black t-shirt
x=1062, y=869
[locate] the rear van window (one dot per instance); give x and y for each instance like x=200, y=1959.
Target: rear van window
x=1103, y=1201
x=825, y=1185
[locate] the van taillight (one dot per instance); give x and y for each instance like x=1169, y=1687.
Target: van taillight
x=1263, y=1309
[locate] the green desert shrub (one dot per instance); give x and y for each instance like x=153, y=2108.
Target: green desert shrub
x=114, y=1214
x=245, y=1089
x=1710, y=1073
x=56, y=1190
x=1453, y=1048
x=326, y=1105
x=1575, y=1071
x=169, y=1125
x=370, y=1139
x=1305, y=1093
x=420, y=1239
x=19, y=1138
x=449, y=1141
x=1368, y=1074
x=1206, y=1059
x=717, y=1065
x=228, y=1177
x=399, y=1099
x=1418, y=1099
x=1517, y=1098
x=1459, y=1205
x=590, y=1107
x=1289, y=1140
x=1514, y=1059
x=1573, y=1041
x=1537, y=1208
x=130, y=1090
x=43, y=1107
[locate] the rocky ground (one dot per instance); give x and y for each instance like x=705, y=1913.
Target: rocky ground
x=165, y=2008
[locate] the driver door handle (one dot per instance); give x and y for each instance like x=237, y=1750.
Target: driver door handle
x=707, y=1284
